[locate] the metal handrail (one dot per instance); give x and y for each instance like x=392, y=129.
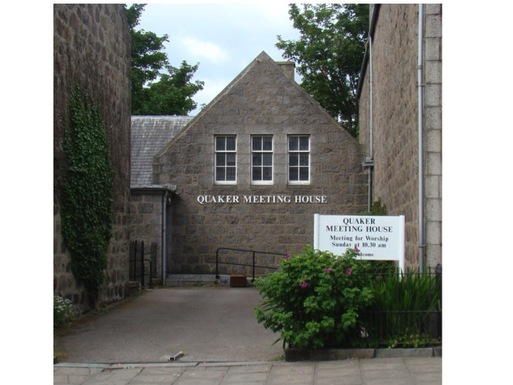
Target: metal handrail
x=253, y=264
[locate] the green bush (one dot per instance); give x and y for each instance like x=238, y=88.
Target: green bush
x=63, y=311
x=313, y=300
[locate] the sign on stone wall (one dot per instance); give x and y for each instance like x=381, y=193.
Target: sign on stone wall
x=377, y=237
x=261, y=199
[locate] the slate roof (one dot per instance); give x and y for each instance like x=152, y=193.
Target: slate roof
x=148, y=135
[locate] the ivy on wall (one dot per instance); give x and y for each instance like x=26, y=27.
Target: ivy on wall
x=86, y=198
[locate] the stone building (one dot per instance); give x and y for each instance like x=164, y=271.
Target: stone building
x=92, y=51
x=150, y=202
x=248, y=172
x=400, y=97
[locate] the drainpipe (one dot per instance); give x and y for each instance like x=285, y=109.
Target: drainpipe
x=420, y=90
x=371, y=127
x=368, y=163
x=163, y=237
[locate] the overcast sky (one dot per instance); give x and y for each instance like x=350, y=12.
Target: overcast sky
x=222, y=37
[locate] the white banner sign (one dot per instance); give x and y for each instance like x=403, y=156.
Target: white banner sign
x=377, y=237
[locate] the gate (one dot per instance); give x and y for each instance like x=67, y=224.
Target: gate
x=142, y=269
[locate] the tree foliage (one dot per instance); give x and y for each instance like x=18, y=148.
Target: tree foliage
x=158, y=88
x=329, y=55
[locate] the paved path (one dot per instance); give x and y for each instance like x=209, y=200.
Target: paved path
x=374, y=371
x=206, y=323
x=222, y=343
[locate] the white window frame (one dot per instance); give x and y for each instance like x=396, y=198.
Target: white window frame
x=226, y=152
x=261, y=153
x=300, y=153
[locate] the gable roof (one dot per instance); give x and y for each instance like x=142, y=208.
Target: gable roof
x=260, y=67
x=148, y=135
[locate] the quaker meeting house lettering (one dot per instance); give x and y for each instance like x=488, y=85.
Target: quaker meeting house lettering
x=261, y=199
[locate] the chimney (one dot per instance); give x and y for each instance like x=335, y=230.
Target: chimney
x=288, y=68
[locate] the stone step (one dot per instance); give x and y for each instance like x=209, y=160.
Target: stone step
x=199, y=280
x=196, y=280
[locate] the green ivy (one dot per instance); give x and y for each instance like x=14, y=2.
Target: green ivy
x=86, y=198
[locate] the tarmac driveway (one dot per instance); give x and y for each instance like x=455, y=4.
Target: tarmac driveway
x=205, y=323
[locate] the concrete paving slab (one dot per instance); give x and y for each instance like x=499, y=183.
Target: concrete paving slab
x=395, y=371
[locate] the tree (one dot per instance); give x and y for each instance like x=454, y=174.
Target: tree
x=329, y=55
x=155, y=92
x=172, y=93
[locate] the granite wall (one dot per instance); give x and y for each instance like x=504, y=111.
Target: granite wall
x=92, y=51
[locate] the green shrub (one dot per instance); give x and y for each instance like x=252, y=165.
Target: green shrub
x=63, y=311
x=313, y=300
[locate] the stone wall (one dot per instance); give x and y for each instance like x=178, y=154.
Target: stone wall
x=92, y=51
x=395, y=122
x=262, y=100
x=148, y=211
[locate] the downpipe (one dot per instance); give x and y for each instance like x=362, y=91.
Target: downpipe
x=368, y=163
x=420, y=90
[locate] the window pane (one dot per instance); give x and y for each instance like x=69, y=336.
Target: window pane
x=268, y=173
x=293, y=173
x=230, y=159
x=230, y=173
x=268, y=143
x=220, y=159
x=220, y=175
x=230, y=143
x=304, y=143
x=257, y=143
x=257, y=159
x=303, y=173
x=257, y=173
x=220, y=143
x=268, y=159
x=303, y=159
x=293, y=159
x=293, y=143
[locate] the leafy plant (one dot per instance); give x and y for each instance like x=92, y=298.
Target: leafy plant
x=86, y=197
x=402, y=309
x=314, y=298
x=377, y=208
x=63, y=311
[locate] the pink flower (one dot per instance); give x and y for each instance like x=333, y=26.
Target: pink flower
x=287, y=256
x=349, y=271
x=356, y=249
x=328, y=270
x=303, y=284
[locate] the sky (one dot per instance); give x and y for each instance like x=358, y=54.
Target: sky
x=223, y=38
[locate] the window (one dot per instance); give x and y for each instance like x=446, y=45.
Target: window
x=262, y=159
x=299, y=159
x=225, y=159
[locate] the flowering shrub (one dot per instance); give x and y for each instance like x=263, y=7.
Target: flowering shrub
x=314, y=298
x=62, y=311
